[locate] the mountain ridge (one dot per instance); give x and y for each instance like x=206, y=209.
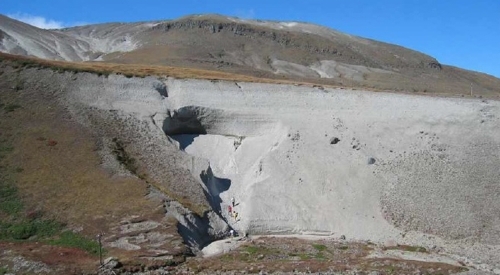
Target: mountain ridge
x=259, y=48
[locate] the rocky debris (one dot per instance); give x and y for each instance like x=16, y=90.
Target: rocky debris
x=434, y=65
x=371, y=161
x=151, y=237
x=22, y=265
x=356, y=145
x=295, y=136
x=282, y=38
x=334, y=140
x=111, y=263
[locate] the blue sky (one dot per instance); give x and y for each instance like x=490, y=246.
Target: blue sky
x=459, y=32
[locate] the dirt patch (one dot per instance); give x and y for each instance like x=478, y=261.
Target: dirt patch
x=21, y=257
x=271, y=254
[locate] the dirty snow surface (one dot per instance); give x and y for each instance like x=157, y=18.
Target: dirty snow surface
x=346, y=162
x=330, y=162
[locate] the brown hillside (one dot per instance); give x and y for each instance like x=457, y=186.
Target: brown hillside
x=256, y=49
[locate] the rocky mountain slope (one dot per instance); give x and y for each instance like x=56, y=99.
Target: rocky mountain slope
x=283, y=50
x=342, y=180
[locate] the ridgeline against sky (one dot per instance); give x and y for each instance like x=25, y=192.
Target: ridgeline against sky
x=460, y=33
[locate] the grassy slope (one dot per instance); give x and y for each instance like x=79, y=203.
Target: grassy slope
x=57, y=161
x=50, y=171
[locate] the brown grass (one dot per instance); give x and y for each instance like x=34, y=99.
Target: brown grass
x=136, y=70
x=62, y=260
x=62, y=175
x=61, y=170
x=451, y=82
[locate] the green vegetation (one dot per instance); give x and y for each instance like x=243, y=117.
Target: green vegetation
x=252, y=249
x=26, y=229
x=390, y=270
x=5, y=149
x=71, y=239
x=17, y=224
x=14, y=225
x=319, y=247
x=304, y=257
x=11, y=107
x=3, y=270
x=320, y=256
x=251, y=253
x=123, y=157
x=10, y=204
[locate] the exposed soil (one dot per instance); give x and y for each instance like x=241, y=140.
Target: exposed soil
x=24, y=257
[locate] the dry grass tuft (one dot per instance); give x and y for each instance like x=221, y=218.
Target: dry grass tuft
x=134, y=70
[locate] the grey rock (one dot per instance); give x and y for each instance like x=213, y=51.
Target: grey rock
x=334, y=140
x=111, y=263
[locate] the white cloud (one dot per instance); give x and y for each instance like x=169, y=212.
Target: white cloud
x=39, y=21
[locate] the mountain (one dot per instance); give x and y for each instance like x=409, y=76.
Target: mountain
x=282, y=50
x=273, y=129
